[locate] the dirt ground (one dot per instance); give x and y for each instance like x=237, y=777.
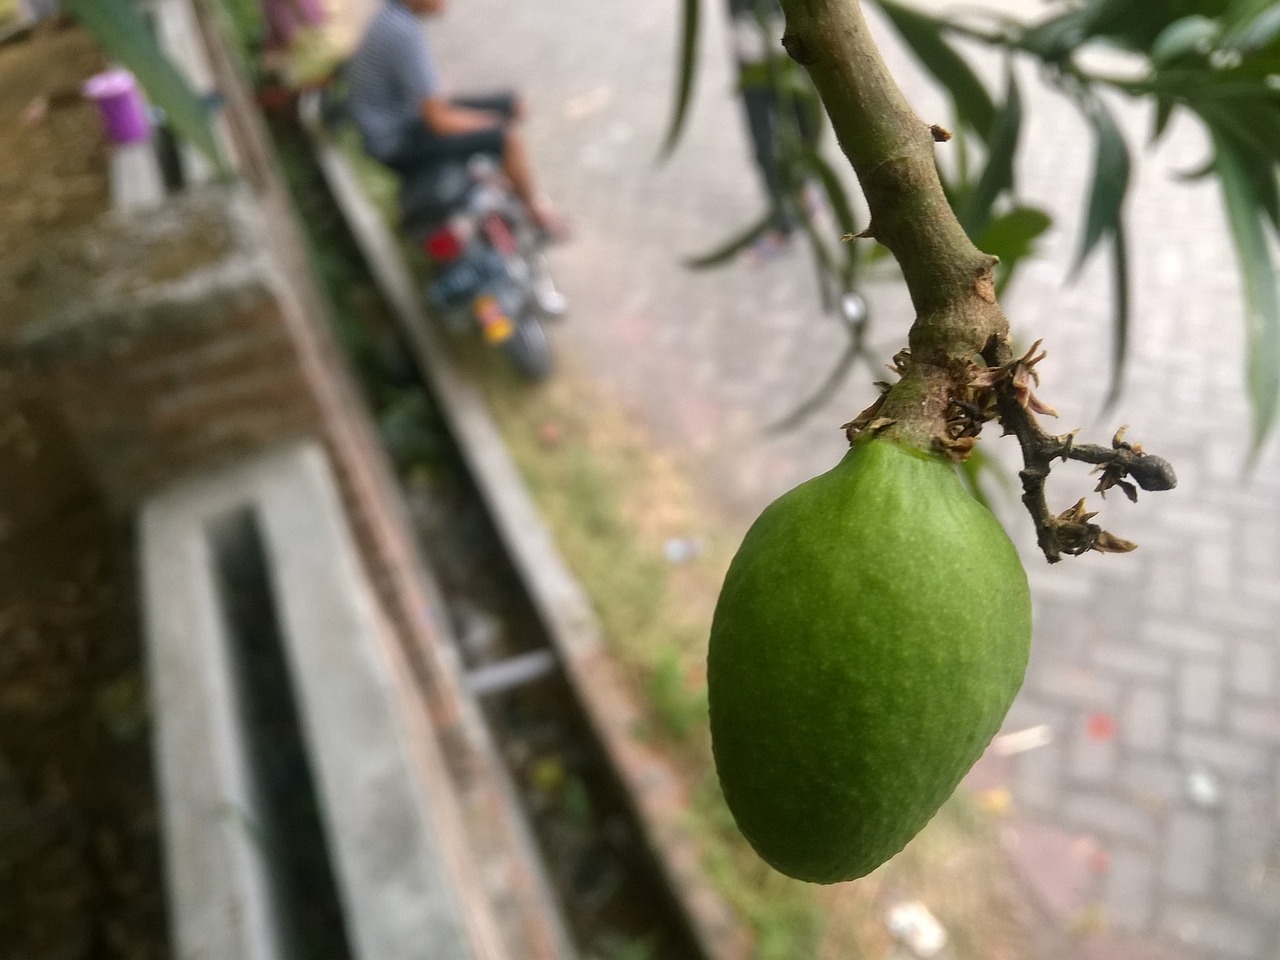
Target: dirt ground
x=79, y=857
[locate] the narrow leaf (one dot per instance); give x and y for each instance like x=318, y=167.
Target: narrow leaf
x=1258, y=275
x=1250, y=24
x=689, y=29
x=731, y=248
x=978, y=465
x=826, y=390
x=1110, y=181
x=1160, y=123
x=1188, y=36
x=1012, y=235
x=1121, y=304
x=836, y=194
x=923, y=35
x=126, y=37
x=997, y=176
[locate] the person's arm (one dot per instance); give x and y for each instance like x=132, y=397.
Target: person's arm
x=446, y=119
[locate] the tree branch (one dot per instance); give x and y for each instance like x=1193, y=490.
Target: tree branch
x=959, y=370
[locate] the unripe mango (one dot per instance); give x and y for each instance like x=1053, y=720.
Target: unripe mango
x=871, y=633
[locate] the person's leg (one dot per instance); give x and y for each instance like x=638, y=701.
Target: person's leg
x=760, y=108
x=516, y=163
x=505, y=144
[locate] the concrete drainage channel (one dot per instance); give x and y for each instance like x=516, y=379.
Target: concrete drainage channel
x=603, y=807
x=260, y=624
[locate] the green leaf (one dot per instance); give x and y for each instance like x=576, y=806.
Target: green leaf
x=1260, y=33
x=923, y=36
x=1120, y=300
x=1110, y=181
x=997, y=175
x=836, y=377
x=731, y=248
x=689, y=30
x=126, y=37
x=836, y=194
x=1164, y=110
x=1012, y=235
x=1258, y=273
x=1189, y=36
x=1251, y=24
x=977, y=466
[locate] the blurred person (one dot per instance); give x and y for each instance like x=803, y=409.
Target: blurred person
x=407, y=122
x=756, y=28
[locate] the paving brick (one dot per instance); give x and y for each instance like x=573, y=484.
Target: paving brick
x=1092, y=761
x=1253, y=668
x=1213, y=565
x=1131, y=660
x=1200, y=684
x=1234, y=613
x=1073, y=684
x=1155, y=784
x=1217, y=933
x=1255, y=721
x=1145, y=722
x=1190, y=853
x=1186, y=636
x=1224, y=754
x=1111, y=817
x=1130, y=890
x=1038, y=777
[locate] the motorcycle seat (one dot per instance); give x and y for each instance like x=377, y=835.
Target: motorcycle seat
x=429, y=194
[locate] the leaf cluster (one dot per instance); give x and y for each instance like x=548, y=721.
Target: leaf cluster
x=1217, y=61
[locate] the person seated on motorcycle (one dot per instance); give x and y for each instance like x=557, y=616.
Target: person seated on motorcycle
x=406, y=121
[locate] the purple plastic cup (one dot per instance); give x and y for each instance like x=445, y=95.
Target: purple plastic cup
x=124, y=112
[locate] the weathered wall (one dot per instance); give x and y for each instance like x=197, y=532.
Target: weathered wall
x=162, y=341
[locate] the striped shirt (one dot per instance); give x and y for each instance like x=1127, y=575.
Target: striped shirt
x=391, y=72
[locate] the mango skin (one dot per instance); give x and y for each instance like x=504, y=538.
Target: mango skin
x=870, y=635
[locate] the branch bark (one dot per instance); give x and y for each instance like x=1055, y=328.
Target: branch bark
x=891, y=150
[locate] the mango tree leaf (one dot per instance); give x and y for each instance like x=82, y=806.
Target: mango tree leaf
x=834, y=379
x=1189, y=36
x=689, y=30
x=1160, y=123
x=923, y=35
x=126, y=37
x=1121, y=302
x=1258, y=273
x=731, y=248
x=979, y=466
x=1251, y=24
x=997, y=176
x=1011, y=236
x=1110, y=181
x=831, y=185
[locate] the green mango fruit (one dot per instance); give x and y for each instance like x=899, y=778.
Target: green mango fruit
x=871, y=633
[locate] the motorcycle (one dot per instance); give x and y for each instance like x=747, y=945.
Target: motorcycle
x=487, y=269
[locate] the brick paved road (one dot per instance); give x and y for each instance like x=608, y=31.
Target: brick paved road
x=1157, y=672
